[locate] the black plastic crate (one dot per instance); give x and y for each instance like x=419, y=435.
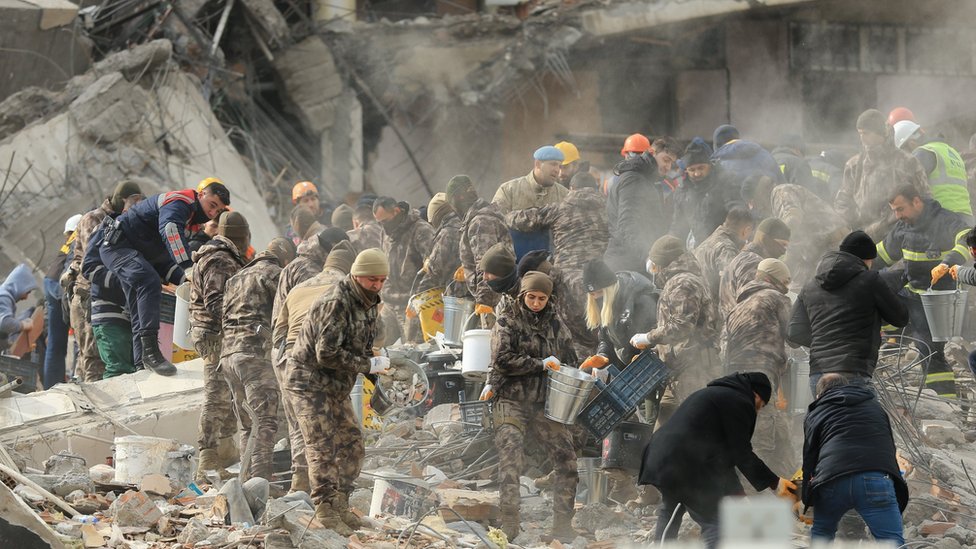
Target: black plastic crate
x=167, y=308
x=27, y=371
x=618, y=399
x=476, y=417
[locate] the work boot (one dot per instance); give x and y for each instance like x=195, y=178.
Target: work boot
x=545, y=483
x=511, y=524
x=152, y=357
x=649, y=495
x=227, y=452
x=330, y=519
x=341, y=505
x=562, y=529
x=209, y=461
x=299, y=481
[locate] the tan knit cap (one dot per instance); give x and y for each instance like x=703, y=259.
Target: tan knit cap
x=371, y=262
x=534, y=281
x=342, y=256
x=776, y=269
x=233, y=225
x=437, y=208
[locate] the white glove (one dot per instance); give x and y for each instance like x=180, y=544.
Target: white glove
x=379, y=364
x=551, y=362
x=601, y=373
x=640, y=341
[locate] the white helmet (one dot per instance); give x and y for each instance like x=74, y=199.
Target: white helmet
x=72, y=223
x=904, y=130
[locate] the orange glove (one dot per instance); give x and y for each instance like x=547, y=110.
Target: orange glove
x=595, y=361
x=552, y=363
x=486, y=393
x=780, y=399
x=798, y=513
x=410, y=312
x=938, y=272
x=787, y=490
x=954, y=271
x=480, y=309
x=459, y=274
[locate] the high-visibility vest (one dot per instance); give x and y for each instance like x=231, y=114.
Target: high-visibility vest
x=948, y=179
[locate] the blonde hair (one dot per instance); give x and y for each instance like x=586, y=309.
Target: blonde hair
x=596, y=317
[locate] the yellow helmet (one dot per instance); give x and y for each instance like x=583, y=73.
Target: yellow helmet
x=206, y=183
x=570, y=152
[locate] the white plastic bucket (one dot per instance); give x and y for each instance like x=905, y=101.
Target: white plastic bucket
x=181, y=318
x=137, y=456
x=475, y=353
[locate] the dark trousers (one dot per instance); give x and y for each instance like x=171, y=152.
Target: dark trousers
x=939, y=375
x=705, y=514
x=57, y=335
x=140, y=283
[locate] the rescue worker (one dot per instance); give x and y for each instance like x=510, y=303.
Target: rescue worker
x=306, y=195
x=214, y=264
x=482, y=226
x=342, y=217
x=635, y=211
x=304, y=224
x=308, y=262
x=666, y=153
x=56, y=322
x=336, y=344
x=930, y=240
x=871, y=176
x=716, y=252
x=839, y=313
x=89, y=365
x=704, y=197
x=572, y=164
x=539, y=188
x=754, y=338
x=771, y=239
x=527, y=339
x=898, y=114
x=366, y=232
x=444, y=258
x=246, y=350
x=741, y=158
x=619, y=306
x=944, y=165
x=287, y=326
x=828, y=168
x=146, y=245
x=795, y=168
x=16, y=287
x=694, y=472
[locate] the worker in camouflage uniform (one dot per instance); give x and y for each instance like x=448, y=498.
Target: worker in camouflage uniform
x=482, y=226
x=308, y=263
x=366, y=232
x=213, y=265
x=287, y=326
x=685, y=333
x=873, y=175
x=754, y=338
x=717, y=251
x=444, y=257
x=578, y=226
x=245, y=356
x=336, y=344
x=771, y=239
x=527, y=339
x=89, y=365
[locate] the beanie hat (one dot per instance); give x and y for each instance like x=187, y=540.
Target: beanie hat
x=437, y=208
x=534, y=281
x=302, y=220
x=776, y=269
x=873, y=120
x=773, y=227
x=283, y=248
x=582, y=180
x=859, y=244
x=723, y=134
x=341, y=257
x=371, y=262
x=123, y=190
x=499, y=260
x=537, y=260
x=697, y=152
x=597, y=276
x=760, y=385
x=233, y=225
x=665, y=250
x=342, y=217
x=548, y=153
x=330, y=237
x=457, y=185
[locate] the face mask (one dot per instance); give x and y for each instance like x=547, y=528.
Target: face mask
x=504, y=284
x=391, y=225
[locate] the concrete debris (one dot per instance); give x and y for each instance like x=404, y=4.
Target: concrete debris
x=66, y=484
x=941, y=433
x=102, y=473
x=135, y=508
x=194, y=531
x=237, y=503
x=64, y=463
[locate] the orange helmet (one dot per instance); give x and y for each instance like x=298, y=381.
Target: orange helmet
x=301, y=189
x=898, y=114
x=206, y=183
x=637, y=143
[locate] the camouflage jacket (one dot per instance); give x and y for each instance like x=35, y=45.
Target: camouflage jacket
x=520, y=340
x=444, y=257
x=754, y=337
x=685, y=316
x=482, y=228
x=714, y=254
x=288, y=323
x=213, y=265
x=86, y=226
x=248, y=300
x=578, y=226
x=408, y=249
x=869, y=179
x=336, y=342
x=308, y=263
x=812, y=221
x=369, y=235
x=739, y=272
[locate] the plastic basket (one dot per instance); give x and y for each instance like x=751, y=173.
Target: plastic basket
x=618, y=399
x=473, y=415
x=27, y=371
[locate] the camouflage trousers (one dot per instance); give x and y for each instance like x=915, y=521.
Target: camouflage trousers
x=217, y=420
x=333, y=442
x=513, y=422
x=771, y=440
x=256, y=400
x=296, y=442
x=89, y=365
x=691, y=369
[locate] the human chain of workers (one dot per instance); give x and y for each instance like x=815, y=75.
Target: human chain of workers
x=690, y=252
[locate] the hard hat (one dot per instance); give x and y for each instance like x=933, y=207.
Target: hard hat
x=302, y=188
x=72, y=223
x=898, y=114
x=570, y=152
x=904, y=130
x=637, y=143
x=206, y=183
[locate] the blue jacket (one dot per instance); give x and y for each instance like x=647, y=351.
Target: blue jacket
x=107, y=297
x=18, y=282
x=741, y=158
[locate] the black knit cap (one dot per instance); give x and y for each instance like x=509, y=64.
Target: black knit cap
x=760, y=385
x=858, y=243
x=597, y=276
x=331, y=236
x=537, y=260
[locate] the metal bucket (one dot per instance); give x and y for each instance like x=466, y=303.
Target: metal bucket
x=798, y=391
x=945, y=311
x=383, y=404
x=624, y=448
x=357, y=399
x=565, y=400
x=456, y=313
x=594, y=485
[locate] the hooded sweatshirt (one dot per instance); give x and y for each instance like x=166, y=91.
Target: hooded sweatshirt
x=742, y=158
x=839, y=315
x=18, y=282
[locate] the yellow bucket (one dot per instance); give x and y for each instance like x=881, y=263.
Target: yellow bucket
x=371, y=420
x=429, y=306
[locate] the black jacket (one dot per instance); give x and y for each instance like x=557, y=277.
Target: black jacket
x=839, y=315
x=695, y=454
x=846, y=431
x=635, y=214
x=701, y=207
x=635, y=312
x=796, y=170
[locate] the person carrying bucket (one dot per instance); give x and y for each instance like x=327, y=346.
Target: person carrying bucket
x=525, y=341
x=967, y=276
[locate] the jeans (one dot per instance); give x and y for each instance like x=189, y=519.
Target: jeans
x=57, y=335
x=706, y=516
x=871, y=494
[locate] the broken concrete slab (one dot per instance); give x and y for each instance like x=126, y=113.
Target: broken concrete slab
x=237, y=502
x=109, y=109
x=478, y=506
x=136, y=61
x=194, y=531
x=941, y=433
x=21, y=527
x=135, y=509
x=257, y=491
x=311, y=81
x=64, y=463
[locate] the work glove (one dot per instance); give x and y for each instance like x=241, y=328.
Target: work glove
x=552, y=363
x=780, y=399
x=410, y=312
x=938, y=272
x=786, y=490
x=486, y=393
x=459, y=274
x=379, y=364
x=640, y=341
x=595, y=361
x=954, y=271
x=800, y=516
x=67, y=280
x=480, y=309
x=600, y=373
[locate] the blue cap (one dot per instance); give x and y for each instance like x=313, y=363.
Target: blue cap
x=547, y=153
